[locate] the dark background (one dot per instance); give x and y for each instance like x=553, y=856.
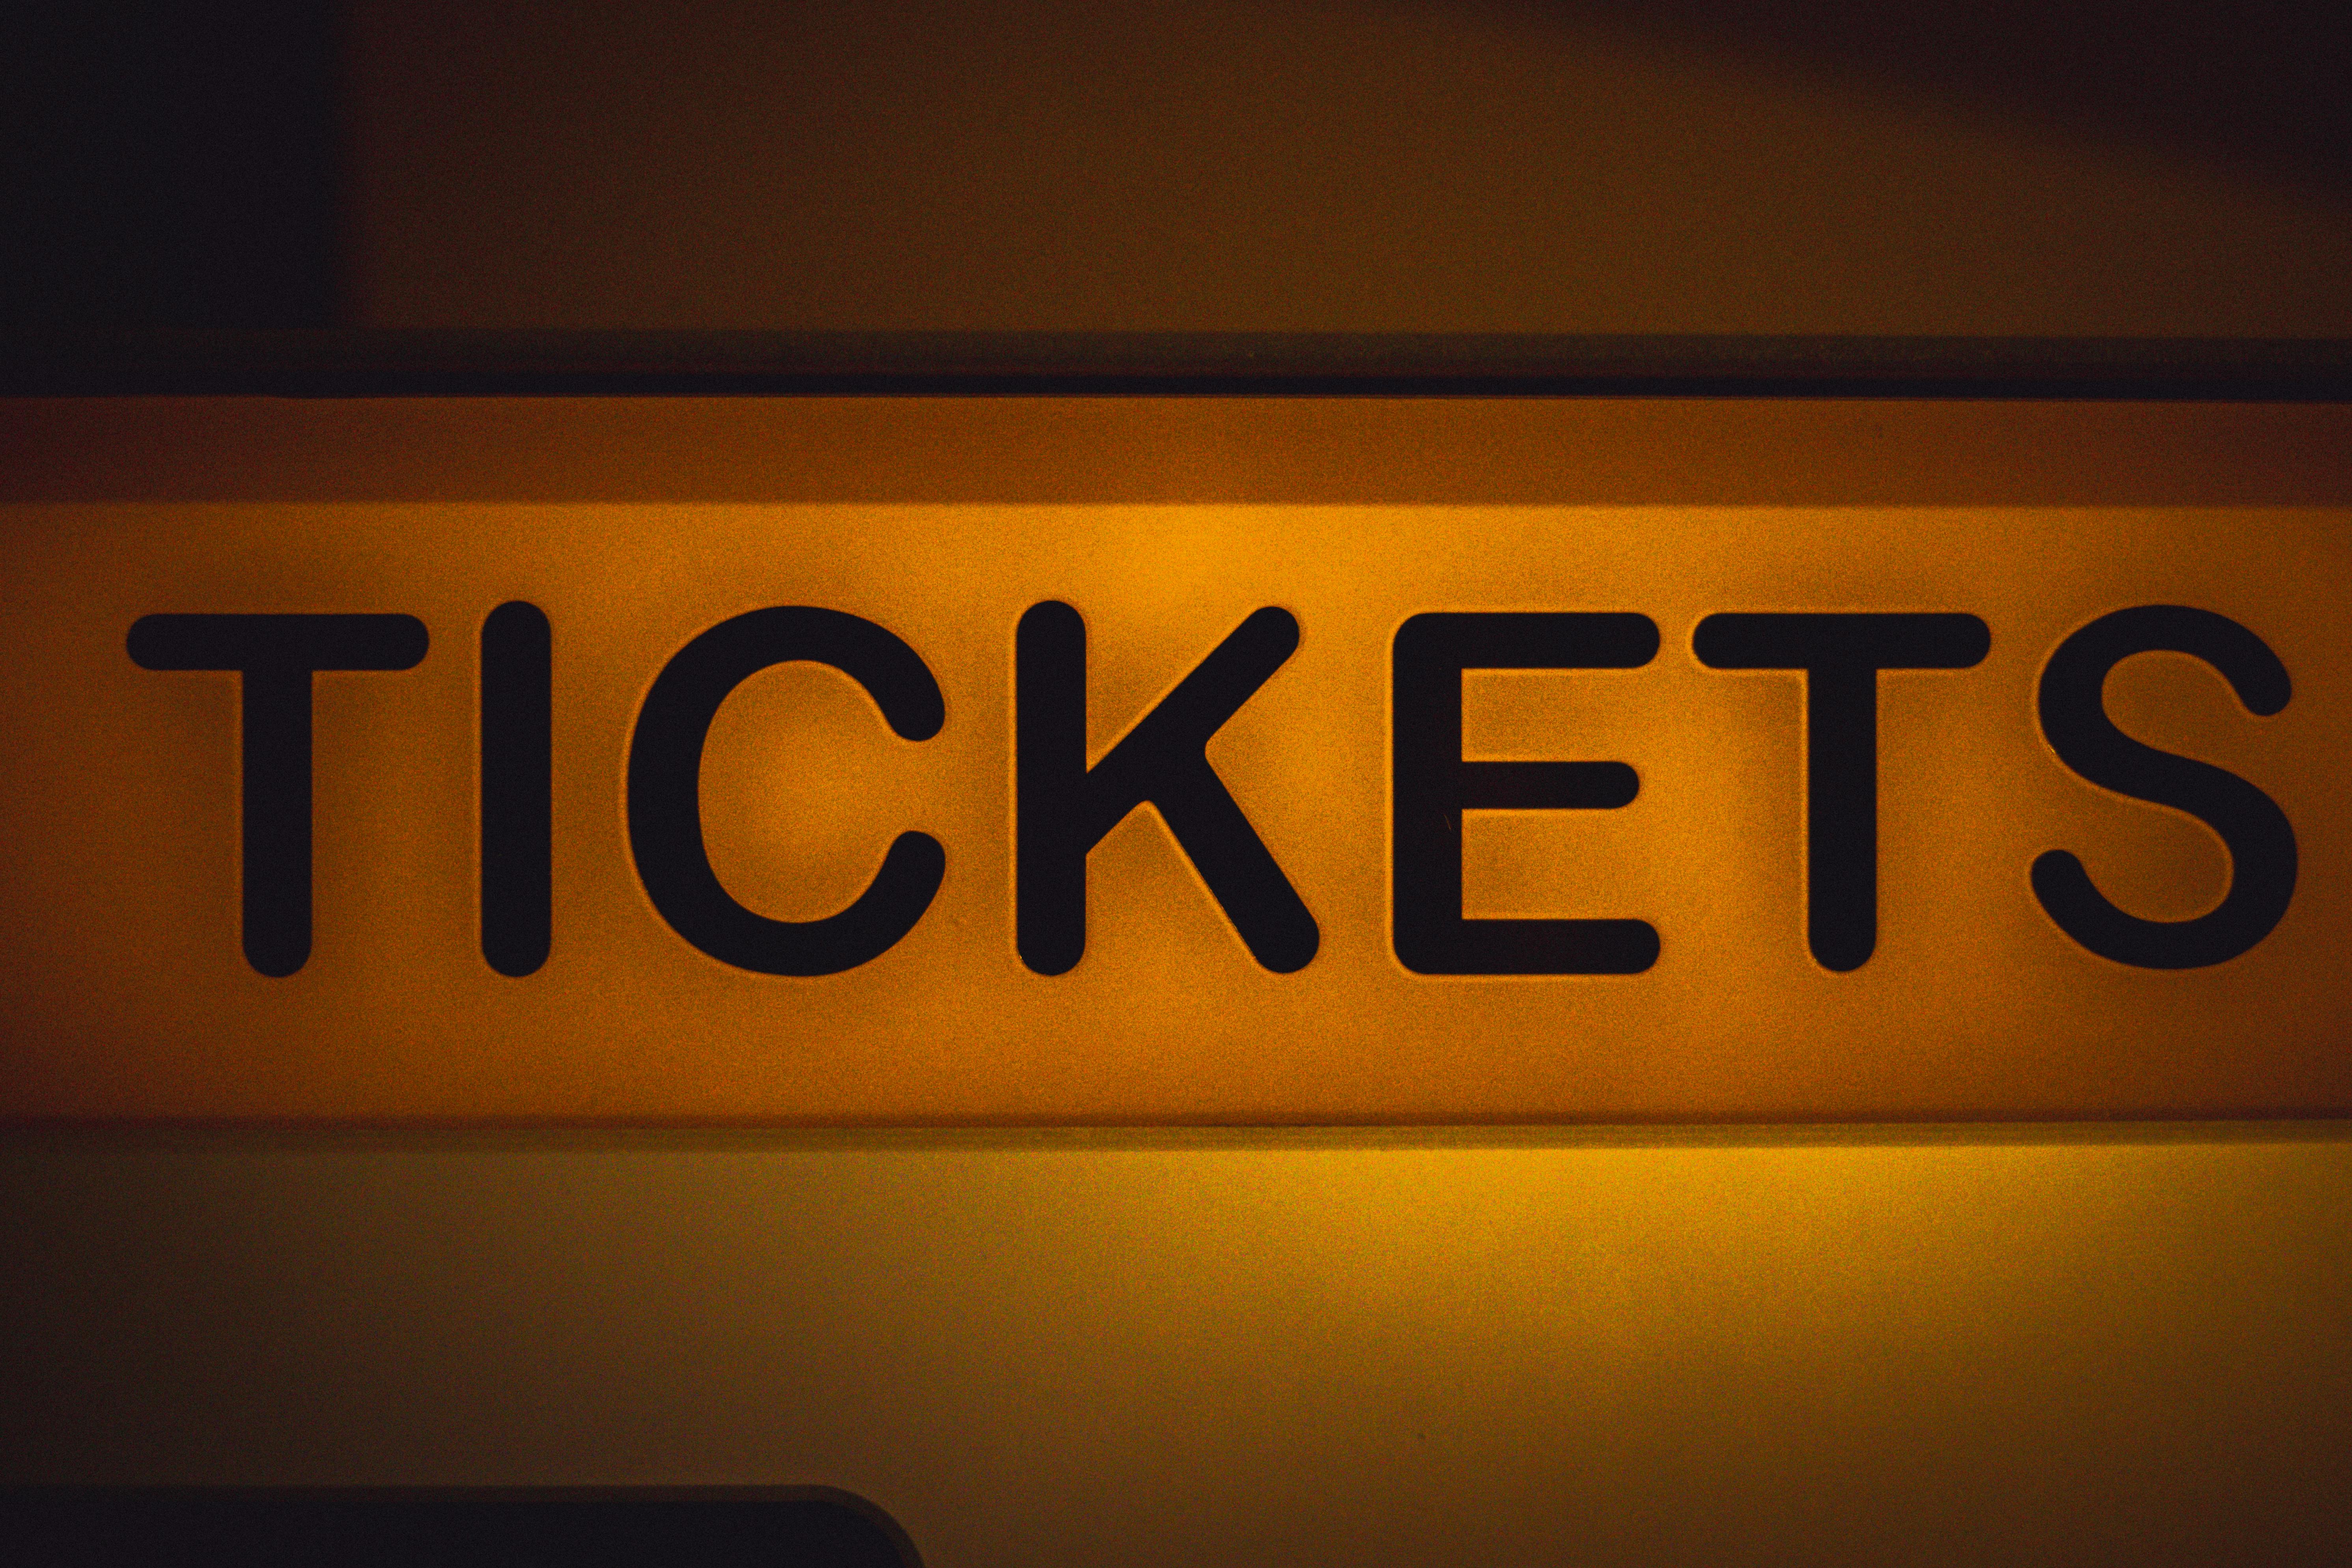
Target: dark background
x=173, y=164
x=1441, y=164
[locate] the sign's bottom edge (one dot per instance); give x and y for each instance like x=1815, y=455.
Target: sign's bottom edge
x=1107, y=1136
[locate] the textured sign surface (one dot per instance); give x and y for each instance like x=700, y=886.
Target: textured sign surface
x=356, y=780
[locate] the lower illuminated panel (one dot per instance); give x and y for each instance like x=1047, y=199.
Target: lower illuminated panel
x=1366, y=1351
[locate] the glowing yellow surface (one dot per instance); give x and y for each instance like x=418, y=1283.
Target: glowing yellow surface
x=1230, y=1347
x=126, y=994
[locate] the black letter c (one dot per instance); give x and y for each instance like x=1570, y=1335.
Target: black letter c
x=666, y=790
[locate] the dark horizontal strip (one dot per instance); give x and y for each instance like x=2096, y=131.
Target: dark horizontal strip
x=1548, y=786
x=395, y=1527
x=332, y=364
x=2272, y=1125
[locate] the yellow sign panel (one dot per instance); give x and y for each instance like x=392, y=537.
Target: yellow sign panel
x=346, y=790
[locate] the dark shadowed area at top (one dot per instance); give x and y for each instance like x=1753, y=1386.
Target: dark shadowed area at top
x=171, y=163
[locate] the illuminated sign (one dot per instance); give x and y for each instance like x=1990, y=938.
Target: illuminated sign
x=986, y=810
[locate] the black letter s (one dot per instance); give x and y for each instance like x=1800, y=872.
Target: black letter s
x=2260, y=840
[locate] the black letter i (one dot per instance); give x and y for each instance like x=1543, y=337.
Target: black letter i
x=518, y=765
